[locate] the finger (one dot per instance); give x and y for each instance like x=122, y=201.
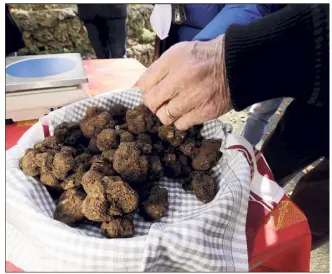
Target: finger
x=192, y=118
x=153, y=75
x=180, y=104
x=159, y=94
x=163, y=115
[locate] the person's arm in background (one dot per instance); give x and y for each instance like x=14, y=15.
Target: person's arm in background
x=233, y=14
x=283, y=55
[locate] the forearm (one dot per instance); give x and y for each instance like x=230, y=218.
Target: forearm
x=281, y=55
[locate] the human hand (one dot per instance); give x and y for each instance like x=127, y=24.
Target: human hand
x=187, y=85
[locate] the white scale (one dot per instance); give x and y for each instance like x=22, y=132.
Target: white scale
x=36, y=84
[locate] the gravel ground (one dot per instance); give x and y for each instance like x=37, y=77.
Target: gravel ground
x=320, y=257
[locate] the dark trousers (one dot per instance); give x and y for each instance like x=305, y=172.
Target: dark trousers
x=301, y=138
x=108, y=37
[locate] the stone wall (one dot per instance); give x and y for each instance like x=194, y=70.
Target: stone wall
x=140, y=42
x=56, y=28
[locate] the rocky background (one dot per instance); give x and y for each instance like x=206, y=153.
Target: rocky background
x=56, y=28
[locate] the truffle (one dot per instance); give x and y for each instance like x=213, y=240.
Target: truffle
x=157, y=203
x=139, y=119
x=203, y=185
x=107, y=139
x=129, y=163
x=120, y=192
x=63, y=162
x=172, y=135
x=118, y=227
x=67, y=133
x=69, y=207
x=95, y=208
x=28, y=164
x=208, y=155
x=94, y=121
x=92, y=183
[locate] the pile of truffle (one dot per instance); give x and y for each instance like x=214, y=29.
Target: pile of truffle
x=105, y=168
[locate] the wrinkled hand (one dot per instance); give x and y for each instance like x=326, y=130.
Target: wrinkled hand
x=189, y=78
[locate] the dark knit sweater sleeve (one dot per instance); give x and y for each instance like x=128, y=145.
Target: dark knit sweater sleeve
x=285, y=54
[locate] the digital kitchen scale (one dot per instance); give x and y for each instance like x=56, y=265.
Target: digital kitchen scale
x=35, y=84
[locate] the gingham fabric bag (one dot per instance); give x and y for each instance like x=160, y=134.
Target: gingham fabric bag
x=192, y=236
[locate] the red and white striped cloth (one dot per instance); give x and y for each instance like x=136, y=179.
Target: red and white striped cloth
x=265, y=193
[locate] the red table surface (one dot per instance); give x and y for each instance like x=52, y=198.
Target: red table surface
x=13, y=133
x=281, y=241
x=111, y=74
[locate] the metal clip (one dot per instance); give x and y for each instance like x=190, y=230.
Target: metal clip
x=178, y=14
